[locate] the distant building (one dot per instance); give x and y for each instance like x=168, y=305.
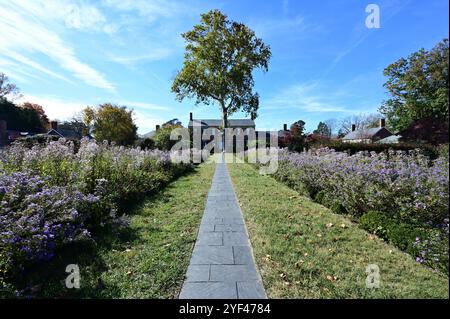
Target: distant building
x=369, y=135
x=65, y=133
x=393, y=139
x=9, y=136
x=216, y=126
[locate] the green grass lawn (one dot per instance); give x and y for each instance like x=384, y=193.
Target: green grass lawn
x=303, y=250
x=147, y=259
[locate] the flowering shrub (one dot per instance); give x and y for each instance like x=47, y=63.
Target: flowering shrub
x=53, y=194
x=403, y=186
x=35, y=219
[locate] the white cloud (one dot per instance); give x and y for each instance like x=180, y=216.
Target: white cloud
x=29, y=32
x=54, y=107
x=150, y=9
x=303, y=97
x=63, y=109
x=28, y=62
x=154, y=55
x=145, y=122
x=144, y=106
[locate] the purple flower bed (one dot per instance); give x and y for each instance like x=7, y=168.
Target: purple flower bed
x=51, y=195
x=406, y=188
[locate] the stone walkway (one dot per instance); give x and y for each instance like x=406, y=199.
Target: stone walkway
x=222, y=265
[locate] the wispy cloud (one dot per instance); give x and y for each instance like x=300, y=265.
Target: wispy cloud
x=24, y=27
x=154, y=55
x=150, y=9
x=63, y=109
x=272, y=27
x=389, y=9
x=55, y=107
x=304, y=97
x=144, y=106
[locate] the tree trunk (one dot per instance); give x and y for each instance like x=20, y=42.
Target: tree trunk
x=224, y=123
x=224, y=116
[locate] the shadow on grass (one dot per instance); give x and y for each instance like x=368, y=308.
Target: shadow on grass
x=47, y=280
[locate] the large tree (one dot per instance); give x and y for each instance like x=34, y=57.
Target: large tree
x=218, y=63
x=418, y=86
x=361, y=121
x=112, y=123
x=7, y=89
x=39, y=110
x=323, y=130
x=21, y=118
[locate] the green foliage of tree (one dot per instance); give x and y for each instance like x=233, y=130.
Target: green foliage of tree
x=145, y=143
x=39, y=110
x=418, y=86
x=7, y=89
x=22, y=118
x=162, y=137
x=323, y=130
x=112, y=123
x=219, y=59
x=297, y=140
x=75, y=124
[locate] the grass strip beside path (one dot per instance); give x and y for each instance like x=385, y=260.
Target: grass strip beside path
x=148, y=258
x=303, y=250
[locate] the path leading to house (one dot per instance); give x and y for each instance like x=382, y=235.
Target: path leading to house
x=222, y=264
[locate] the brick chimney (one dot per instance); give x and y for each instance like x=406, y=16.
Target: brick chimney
x=190, y=116
x=353, y=127
x=54, y=125
x=382, y=122
x=157, y=127
x=285, y=127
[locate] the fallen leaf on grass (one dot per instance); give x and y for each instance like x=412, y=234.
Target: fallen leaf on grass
x=329, y=225
x=305, y=254
x=332, y=278
x=299, y=263
x=343, y=226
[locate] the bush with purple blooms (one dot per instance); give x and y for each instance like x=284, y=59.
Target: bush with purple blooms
x=51, y=194
x=406, y=187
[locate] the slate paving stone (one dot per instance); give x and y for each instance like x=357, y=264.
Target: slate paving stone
x=196, y=273
x=250, y=290
x=209, y=290
x=235, y=239
x=233, y=273
x=209, y=239
x=222, y=264
x=209, y=255
x=242, y=255
x=229, y=228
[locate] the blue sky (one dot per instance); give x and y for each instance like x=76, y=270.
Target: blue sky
x=326, y=64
